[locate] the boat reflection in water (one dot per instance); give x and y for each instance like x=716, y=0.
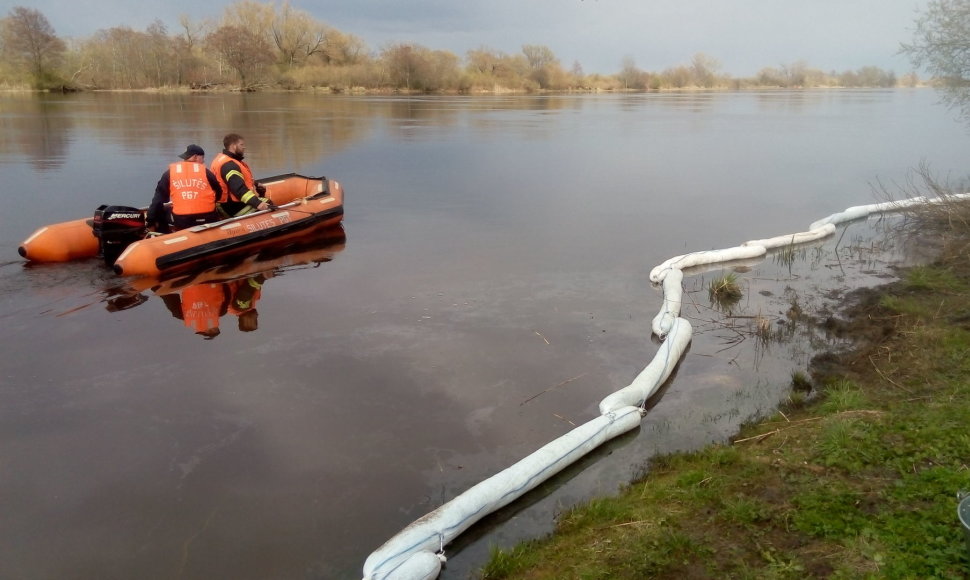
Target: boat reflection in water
x=200, y=299
x=201, y=306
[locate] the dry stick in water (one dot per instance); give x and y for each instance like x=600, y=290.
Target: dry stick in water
x=561, y=418
x=539, y=394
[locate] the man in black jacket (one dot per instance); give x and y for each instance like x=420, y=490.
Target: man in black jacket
x=194, y=203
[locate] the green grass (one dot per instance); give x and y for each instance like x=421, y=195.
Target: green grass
x=936, y=279
x=860, y=481
x=842, y=395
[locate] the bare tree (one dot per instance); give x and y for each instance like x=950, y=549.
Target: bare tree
x=543, y=62
x=678, y=77
x=342, y=49
x=123, y=58
x=771, y=77
x=443, y=70
x=188, y=53
x=404, y=63
x=297, y=36
x=162, y=54
x=254, y=17
x=910, y=79
x=577, y=70
x=29, y=40
x=704, y=69
x=794, y=74
x=630, y=76
x=192, y=32
x=243, y=51
x=539, y=56
x=414, y=67
x=941, y=45
x=483, y=60
x=873, y=76
x=492, y=68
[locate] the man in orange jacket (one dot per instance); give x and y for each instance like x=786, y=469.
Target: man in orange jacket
x=239, y=192
x=190, y=188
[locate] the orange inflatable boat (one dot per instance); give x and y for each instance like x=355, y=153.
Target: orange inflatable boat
x=302, y=204
x=320, y=244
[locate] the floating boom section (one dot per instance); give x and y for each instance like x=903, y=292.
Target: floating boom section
x=417, y=552
x=818, y=233
x=434, y=530
x=655, y=374
x=861, y=211
x=673, y=286
x=705, y=257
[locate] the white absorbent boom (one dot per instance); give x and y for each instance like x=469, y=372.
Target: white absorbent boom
x=417, y=551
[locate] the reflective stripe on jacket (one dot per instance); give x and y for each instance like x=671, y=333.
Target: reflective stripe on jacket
x=189, y=189
x=245, y=294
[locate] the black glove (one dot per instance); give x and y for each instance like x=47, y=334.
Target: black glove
x=260, y=188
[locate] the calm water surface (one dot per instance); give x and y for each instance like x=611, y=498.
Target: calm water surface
x=488, y=288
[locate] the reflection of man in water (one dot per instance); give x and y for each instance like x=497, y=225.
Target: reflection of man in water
x=245, y=293
x=201, y=306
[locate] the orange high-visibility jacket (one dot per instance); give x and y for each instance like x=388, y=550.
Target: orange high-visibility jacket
x=244, y=171
x=189, y=189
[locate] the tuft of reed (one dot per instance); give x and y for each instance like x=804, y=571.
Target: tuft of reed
x=786, y=256
x=800, y=382
x=725, y=291
x=763, y=329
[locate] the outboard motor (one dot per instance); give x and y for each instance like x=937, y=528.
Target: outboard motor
x=117, y=226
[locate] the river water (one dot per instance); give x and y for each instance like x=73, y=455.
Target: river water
x=488, y=288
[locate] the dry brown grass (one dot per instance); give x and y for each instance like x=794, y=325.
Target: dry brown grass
x=943, y=221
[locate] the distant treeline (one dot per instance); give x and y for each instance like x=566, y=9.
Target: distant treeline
x=265, y=45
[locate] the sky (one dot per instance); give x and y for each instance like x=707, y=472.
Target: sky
x=743, y=36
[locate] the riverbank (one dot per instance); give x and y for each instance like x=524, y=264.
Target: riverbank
x=474, y=91
x=856, y=477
